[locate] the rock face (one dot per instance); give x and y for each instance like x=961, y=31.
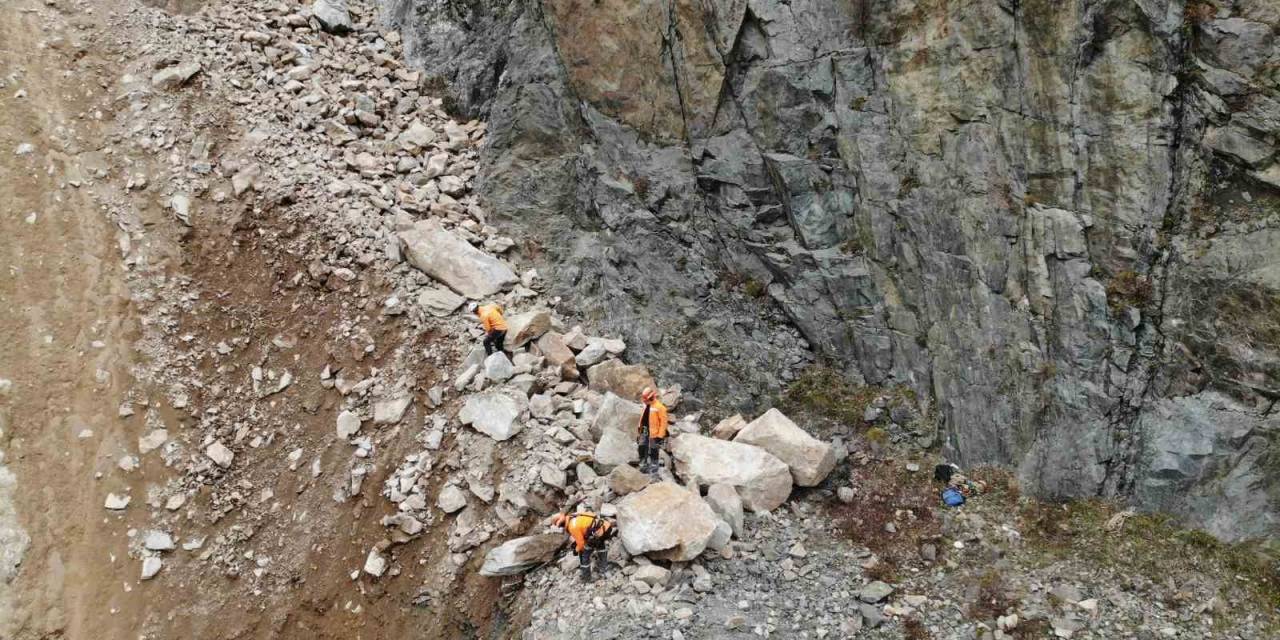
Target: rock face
x=1049, y=244
x=444, y=256
x=495, y=413
x=666, y=522
x=521, y=554
x=810, y=459
x=762, y=481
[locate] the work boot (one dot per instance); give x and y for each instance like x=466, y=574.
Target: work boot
x=602, y=563
x=584, y=572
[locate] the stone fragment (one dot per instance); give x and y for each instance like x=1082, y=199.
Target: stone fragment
x=219, y=454
x=521, y=554
x=494, y=413
x=158, y=541
x=391, y=410
x=375, y=564
x=762, y=480
x=348, y=424
x=416, y=136
x=151, y=565
x=448, y=258
x=116, y=503
x=175, y=76
x=874, y=592
x=666, y=522
x=553, y=476
x=451, y=499
x=810, y=459
x=652, y=574
x=152, y=441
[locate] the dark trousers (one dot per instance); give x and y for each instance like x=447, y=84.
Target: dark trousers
x=494, y=339
x=594, y=547
x=648, y=449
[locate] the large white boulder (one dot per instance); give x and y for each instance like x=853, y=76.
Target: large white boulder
x=521, y=554
x=495, y=413
x=617, y=414
x=665, y=521
x=762, y=480
x=448, y=258
x=809, y=458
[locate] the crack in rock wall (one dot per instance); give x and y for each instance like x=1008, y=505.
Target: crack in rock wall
x=1052, y=220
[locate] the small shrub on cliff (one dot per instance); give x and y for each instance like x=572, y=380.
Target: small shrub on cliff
x=1128, y=289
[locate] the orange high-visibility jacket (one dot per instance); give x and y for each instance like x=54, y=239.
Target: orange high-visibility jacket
x=491, y=318
x=657, y=420
x=579, y=526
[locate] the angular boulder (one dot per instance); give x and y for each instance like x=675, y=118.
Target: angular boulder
x=809, y=458
x=625, y=380
x=494, y=413
x=725, y=502
x=552, y=347
x=615, y=448
x=498, y=367
x=762, y=481
x=617, y=414
x=448, y=258
x=333, y=15
x=626, y=479
x=729, y=427
x=526, y=327
x=666, y=522
x=521, y=554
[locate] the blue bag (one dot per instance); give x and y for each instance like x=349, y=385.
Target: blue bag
x=952, y=497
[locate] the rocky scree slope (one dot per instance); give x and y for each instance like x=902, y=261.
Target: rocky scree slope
x=1053, y=221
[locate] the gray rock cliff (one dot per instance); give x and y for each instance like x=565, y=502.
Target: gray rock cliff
x=1055, y=221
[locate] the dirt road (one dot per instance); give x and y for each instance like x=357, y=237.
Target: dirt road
x=65, y=328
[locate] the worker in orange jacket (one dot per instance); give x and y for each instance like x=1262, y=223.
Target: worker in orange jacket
x=495, y=327
x=589, y=533
x=653, y=430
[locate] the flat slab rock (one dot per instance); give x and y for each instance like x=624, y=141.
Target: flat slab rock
x=444, y=256
x=495, y=413
x=521, y=554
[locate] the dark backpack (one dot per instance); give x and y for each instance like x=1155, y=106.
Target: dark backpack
x=942, y=473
